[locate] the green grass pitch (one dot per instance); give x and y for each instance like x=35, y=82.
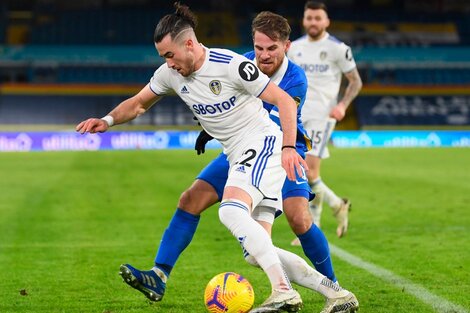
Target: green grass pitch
x=69, y=219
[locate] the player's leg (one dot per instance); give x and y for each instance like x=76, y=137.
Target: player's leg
x=262, y=176
x=193, y=201
x=321, y=133
x=297, y=270
x=316, y=131
x=296, y=196
x=312, y=239
x=204, y=192
x=175, y=239
x=300, y=273
x=319, y=187
x=339, y=206
x=235, y=214
x=316, y=205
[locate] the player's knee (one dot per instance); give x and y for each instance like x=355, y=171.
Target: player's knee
x=197, y=198
x=251, y=260
x=231, y=212
x=185, y=200
x=226, y=213
x=312, y=175
x=300, y=227
x=188, y=202
x=300, y=222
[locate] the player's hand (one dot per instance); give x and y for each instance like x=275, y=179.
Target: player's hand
x=338, y=112
x=292, y=163
x=201, y=142
x=92, y=125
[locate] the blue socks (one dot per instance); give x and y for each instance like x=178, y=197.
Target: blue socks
x=183, y=225
x=176, y=238
x=316, y=248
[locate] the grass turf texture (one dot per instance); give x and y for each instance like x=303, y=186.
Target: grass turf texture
x=69, y=219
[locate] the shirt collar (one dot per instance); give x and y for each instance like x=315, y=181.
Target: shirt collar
x=279, y=74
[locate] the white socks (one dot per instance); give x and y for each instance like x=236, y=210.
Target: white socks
x=302, y=274
x=298, y=271
x=318, y=186
x=235, y=215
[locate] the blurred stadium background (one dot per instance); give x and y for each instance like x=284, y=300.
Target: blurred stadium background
x=63, y=61
x=67, y=220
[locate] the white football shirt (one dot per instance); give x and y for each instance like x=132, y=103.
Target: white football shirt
x=223, y=96
x=323, y=61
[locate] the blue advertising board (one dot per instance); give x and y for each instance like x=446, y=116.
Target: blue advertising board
x=402, y=139
x=145, y=140
x=72, y=141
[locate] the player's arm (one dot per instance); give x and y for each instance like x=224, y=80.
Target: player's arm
x=287, y=111
x=291, y=161
x=352, y=90
x=127, y=110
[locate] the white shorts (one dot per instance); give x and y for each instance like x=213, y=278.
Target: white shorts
x=320, y=132
x=258, y=170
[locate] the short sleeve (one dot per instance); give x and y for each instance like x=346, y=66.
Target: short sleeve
x=160, y=81
x=297, y=92
x=248, y=76
x=345, y=59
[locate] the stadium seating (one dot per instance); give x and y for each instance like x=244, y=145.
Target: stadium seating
x=2, y=30
x=105, y=74
x=96, y=27
x=420, y=76
x=111, y=42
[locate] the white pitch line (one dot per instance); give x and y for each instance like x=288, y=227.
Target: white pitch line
x=439, y=304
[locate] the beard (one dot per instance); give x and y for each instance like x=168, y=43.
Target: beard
x=315, y=32
x=267, y=69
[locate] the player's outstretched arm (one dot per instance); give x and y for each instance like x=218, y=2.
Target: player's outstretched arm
x=127, y=110
x=291, y=160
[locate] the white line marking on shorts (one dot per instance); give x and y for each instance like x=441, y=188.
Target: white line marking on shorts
x=439, y=304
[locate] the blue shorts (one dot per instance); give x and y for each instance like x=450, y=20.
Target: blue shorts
x=216, y=174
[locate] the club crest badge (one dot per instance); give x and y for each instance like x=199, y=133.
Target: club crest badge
x=297, y=100
x=215, y=87
x=323, y=55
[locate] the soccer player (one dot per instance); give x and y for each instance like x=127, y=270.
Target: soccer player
x=271, y=40
x=221, y=88
x=324, y=59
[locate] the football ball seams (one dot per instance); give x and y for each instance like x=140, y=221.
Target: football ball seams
x=229, y=292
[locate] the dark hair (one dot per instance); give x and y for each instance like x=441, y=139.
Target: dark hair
x=272, y=25
x=313, y=5
x=174, y=23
